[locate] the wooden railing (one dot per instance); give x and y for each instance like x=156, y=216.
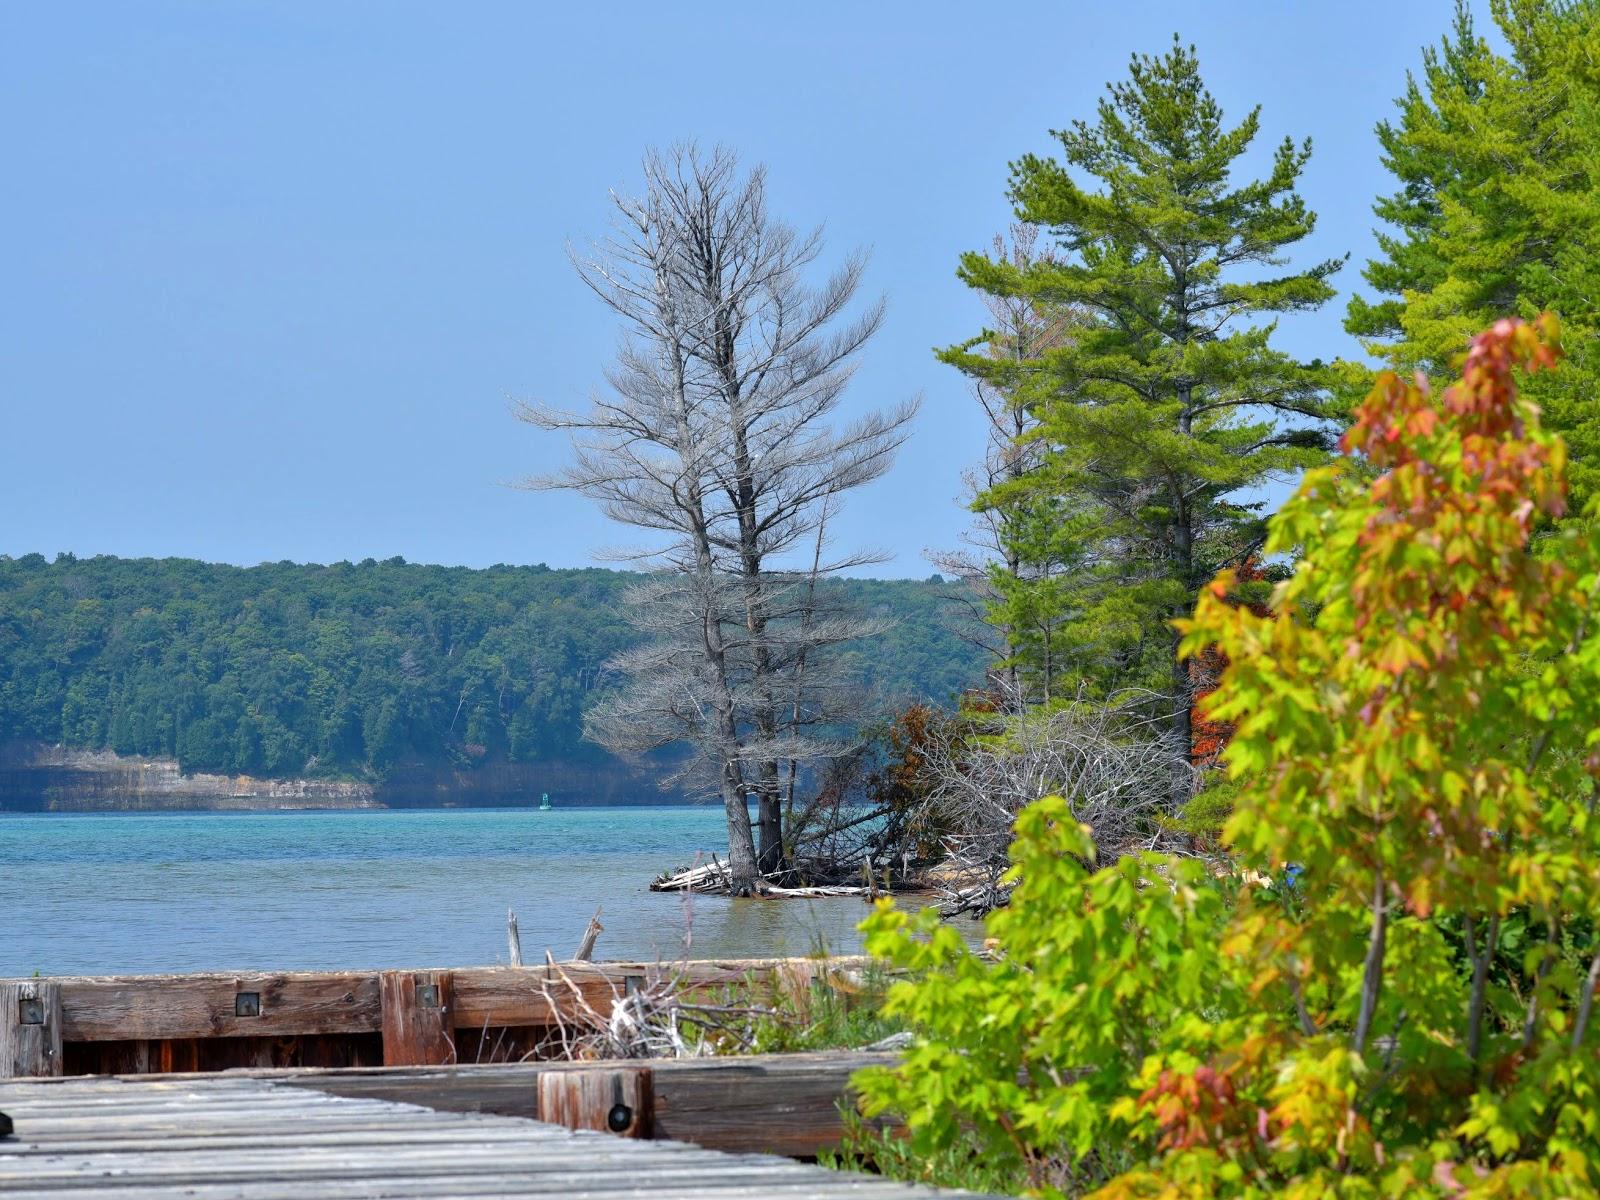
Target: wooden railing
x=147, y=1024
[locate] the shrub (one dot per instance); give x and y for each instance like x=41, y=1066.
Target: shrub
x=1415, y=751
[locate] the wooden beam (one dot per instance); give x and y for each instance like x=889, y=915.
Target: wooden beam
x=765, y=1104
x=162, y=1007
x=780, y=1103
x=30, y=1029
x=418, y=1018
x=608, y=1099
x=176, y=1007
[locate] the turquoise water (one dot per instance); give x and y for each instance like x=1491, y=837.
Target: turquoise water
x=116, y=893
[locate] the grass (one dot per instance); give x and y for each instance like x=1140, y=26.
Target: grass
x=870, y=1150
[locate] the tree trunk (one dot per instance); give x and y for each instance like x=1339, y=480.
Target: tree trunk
x=768, y=789
x=741, y=849
x=1183, y=543
x=769, y=820
x=1182, y=700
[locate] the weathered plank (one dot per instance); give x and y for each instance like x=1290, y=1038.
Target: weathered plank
x=787, y=1103
x=575, y=1186
x=174, y=1007
x=770, y=1104
x=105, y=1137
x=30, y=1028
x=492, y=997
x=615, y=1100
x=418, y=1018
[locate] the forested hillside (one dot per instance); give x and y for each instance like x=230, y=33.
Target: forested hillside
x=353, y=669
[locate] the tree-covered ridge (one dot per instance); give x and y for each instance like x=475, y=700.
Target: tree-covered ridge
x=286, y=669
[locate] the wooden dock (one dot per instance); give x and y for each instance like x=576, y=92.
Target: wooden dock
x=160, y=1024
x=466, y=1041
x=258, y=1137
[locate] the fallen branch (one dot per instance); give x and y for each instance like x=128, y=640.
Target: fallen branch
x=713, y=879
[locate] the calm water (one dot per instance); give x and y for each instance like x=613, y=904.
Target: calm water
x=130, y=892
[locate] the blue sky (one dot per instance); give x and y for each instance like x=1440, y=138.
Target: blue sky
x=274, y=273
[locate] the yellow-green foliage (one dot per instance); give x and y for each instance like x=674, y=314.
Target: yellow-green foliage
x=1416, y=750
x=1000, y=1074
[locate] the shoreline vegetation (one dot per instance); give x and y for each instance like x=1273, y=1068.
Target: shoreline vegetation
x=1283, y=826
x=427, y=684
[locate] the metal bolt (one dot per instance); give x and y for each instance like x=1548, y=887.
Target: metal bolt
x=619, y=1118
x=30, y=1012
x=247, y=1004
x=427, y=995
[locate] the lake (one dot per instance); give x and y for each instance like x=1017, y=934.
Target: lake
x=113, y=893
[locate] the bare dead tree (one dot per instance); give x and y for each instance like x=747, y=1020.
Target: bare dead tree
x=717, y=431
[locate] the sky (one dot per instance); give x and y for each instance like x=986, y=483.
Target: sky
x=276, y=273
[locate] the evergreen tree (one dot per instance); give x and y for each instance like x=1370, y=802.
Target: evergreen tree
x=1498, y=209
x=1167, y=405
x=1021, y=550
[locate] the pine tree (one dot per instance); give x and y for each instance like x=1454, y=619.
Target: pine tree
x=1167, y=406
x=1021, y=552
x=1498, y=210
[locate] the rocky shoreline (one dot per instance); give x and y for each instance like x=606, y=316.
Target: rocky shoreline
x=41, y=778
x=38, y=777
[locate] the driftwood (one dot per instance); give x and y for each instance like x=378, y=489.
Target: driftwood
x=713, y=879
x=513, y=938
x=585, y=949
x=708, y=877
x=768, y=889
x=976, y=898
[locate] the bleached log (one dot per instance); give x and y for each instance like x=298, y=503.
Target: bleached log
x=586, y=947
x=711, y=877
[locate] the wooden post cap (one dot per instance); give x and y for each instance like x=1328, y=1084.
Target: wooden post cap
x=30, y=1028
x=617, y=1100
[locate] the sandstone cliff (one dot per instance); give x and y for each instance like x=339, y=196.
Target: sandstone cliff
x=35, y=777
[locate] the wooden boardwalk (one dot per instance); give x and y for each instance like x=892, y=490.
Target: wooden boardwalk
x=256, y=1138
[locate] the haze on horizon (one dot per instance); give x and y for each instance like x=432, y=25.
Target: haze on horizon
x=276, y=272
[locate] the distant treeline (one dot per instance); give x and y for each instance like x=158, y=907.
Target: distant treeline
x=355, y=669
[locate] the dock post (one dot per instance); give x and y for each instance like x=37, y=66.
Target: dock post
x=30, y=1029
x=619, y=1100
x=418, y=1018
